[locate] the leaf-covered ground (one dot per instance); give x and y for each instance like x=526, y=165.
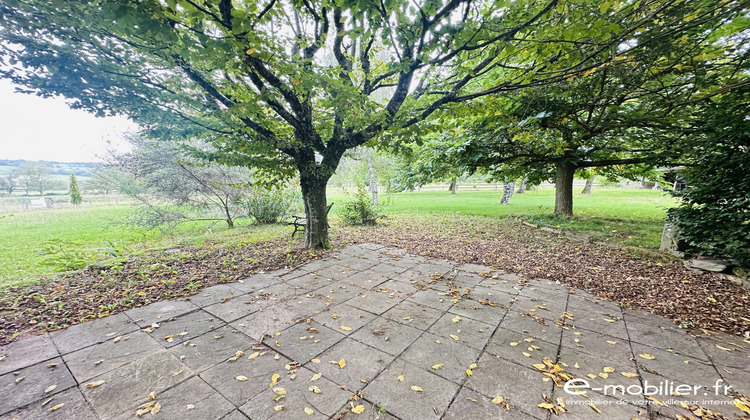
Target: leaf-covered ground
x=691, y=299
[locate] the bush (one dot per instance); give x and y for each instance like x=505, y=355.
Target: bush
x=358, y=209
x=268, y=206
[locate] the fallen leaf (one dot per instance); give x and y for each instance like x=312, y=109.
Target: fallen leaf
x=50, y=389
x=469, y=372
x=98, y=362
x=241, y=378
x=611, y=342
x=309, y=411
x=94, y=384
x=254, y=355
x=513, y=344
x=358, y=409
x=608, y=369
x=342, y=363
x=455, y=337
x=316, y=377
x=416, y=388
x=314, y=389
x=436, y=367
x=456, y=318
x=649, y=397
x=629, y=374
x=19, y=379
x=274, y=379
x=156, y=408
x=56, y=407
x=280, y=391
x=190, y=406
x=646, y=356
x=526, y=354
x=315, y=360
x=498, y=400
x=595, y=408
x=152, y=396
x=345, y=328
x=592, y=376
x=278, y=408
x=722, y=348
x=117, y=339
x=400, y=378
x=604, y=375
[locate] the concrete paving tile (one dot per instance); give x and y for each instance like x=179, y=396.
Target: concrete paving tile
x=304, y=341
x=668, y=338
x=388, y=268
x=497, y=285
x=432, y=298
x=431, y=267
x=259, y=370
x=307, y=306
x=336, y=272
x=714, y=399
x=596, y=304
x=235, y=415
x=404, y=402
x=96, y=331
x=469, y=308
x=363, y=364
x=368, y=279
x=413, y=315
x=281, y=292
x=101, y=358
x=532, y=327
x=273, y=319
x=126, y=388
x=473, y=268
x=466, y=280
x=473, y=405
x=430, y=350
x=310, y=281
x=511, y=345
x=596, y=344
x=593, y=365
x=673, y=366
x=160, y=311
x=193, y=399
x=548, y=308
x=376, y=302
x=185, y=327
x=611, y=408
x=26, y=352
x=388, y=336
x=343, y=315
x=360, y=262
x=491, y=297
x=256, y=282
x=522, y=387
x=205, y=351
x=214, y=294
x=595, y=321
x=472, y=333
x=298, y=397
x=724, y=351
x=371, y=412
x=739, y=379
x=338, y=292
x=42, y=380
x=74, y=407
x=296, y=273
x=236, y=307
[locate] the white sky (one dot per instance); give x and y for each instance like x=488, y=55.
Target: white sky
x=35, y=128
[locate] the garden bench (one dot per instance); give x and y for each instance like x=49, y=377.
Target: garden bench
x=300, y=222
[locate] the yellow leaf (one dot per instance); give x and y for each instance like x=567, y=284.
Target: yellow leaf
x=742, y=405
x=629, y=374
x=345, y=328
x=190, y=406
x=646, y=356
x=469, y=372
x=498, y=400
x=254, y=355
x=611, y=342
x=342, y=363
x=455, y=337
x=358, y=409
x=241, y=378
x=156, y=408
x=513, y=344
x=586, y=73
x=473, y=366
x=50, y=389
x=152, y=396
x=648, y=397
x=57, y=407
x=416, y=388
x=456, y=318
x=251, y=51
x=608, y=369
x=400, y=378
x=309, y=411
x=274, y=379
x=576, y=366
x=604, y=375
x=94, y=384
x=334, y=316
x=279, y=391
x=546, y=406
x=436, y=367
x=722, y=348
x=595, y=408
x=526, y=354
x=316, y=377
x=591, y=375
x=278, y=408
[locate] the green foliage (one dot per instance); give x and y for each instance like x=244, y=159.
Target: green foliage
x=65, y=255
x=358, y=208
x=714, y=216
x=268, y=206
x=74, y=191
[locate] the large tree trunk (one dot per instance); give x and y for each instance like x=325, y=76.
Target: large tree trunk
x=589, y=185
x=522, y=188
x=316, y=210
x=373, y=179
x=564, y=188
x=507, y=192
x=454, y=185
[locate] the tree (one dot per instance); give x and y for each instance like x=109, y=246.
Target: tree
x=713, y=218
x=74, y=191
x=172, y=187
x=621, y=117
x=290, y=86
x=35, y=176
x=9, y=182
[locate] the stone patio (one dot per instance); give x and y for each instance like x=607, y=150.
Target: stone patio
x=374, y=329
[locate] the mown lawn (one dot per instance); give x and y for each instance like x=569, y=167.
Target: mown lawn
x=629, y=216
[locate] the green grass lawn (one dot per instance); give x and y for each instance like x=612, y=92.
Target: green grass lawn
x=629, y=216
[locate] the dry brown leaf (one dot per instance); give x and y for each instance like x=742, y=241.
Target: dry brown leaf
x=94, y=384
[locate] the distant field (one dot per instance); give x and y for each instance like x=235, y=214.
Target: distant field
x=629, y=216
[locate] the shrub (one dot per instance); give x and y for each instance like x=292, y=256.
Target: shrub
x=358, y=209
x=267, y=206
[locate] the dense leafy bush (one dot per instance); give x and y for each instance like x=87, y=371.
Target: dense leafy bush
x=714, y=217
x=358, y=209
x=268, y=206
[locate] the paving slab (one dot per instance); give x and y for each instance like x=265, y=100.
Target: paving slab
x=394, y=321
x=92, y=332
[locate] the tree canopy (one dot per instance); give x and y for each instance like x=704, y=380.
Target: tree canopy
x=289, y=86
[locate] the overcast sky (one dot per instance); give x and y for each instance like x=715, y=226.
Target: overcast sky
x=34, y=128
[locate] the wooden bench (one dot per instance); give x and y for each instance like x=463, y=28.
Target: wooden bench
x=300, y=222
